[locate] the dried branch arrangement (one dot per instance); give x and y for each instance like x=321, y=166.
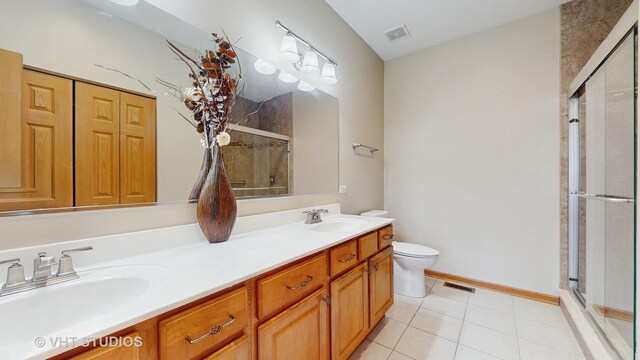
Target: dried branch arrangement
x=217, y=85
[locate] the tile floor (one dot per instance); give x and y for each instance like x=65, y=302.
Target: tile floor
x=450, y=324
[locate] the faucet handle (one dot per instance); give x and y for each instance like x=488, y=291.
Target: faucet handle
x=323, y=211
x=15, y=273
x=86, y=248
x=66, y=263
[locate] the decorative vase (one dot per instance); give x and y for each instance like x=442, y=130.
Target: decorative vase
x=217, y=207
x=202, y=176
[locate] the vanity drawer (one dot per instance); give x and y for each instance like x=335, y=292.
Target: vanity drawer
x=278, y=291
x=236, y=350
x=230, y=311
x=368, y=245
x=343, y=257
x=386, y=236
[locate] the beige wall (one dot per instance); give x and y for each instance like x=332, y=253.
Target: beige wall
x=360, y=92
x=471, y=144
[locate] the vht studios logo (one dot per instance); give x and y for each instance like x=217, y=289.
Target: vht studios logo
x=71, y=342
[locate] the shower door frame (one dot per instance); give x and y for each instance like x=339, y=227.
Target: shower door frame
x=574, y=152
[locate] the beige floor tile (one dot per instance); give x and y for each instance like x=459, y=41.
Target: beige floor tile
x=489, y=341
x=540, y=312
x=451, y=293
x=398, y=356
x=437, y=324
x=369, y=350
x=466, y=353
x=493, y=301
x=387, y=332
x=493, y=319
x=548, y=335
x=421, y=345
x=402, y=312
x=445, y=305
x=533, y=351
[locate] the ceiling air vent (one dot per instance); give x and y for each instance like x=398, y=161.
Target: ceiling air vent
x=397, y=33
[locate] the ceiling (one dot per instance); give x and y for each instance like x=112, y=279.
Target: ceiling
x=430, y=22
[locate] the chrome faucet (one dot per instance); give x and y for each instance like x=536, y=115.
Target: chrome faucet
x=313, y=215
x=42, y=272
x=42, y=267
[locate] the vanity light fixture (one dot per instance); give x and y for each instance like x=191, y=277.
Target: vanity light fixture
x=289, y=49
x=125, y=2
x=286, y=77
x=328, y=75
x=304, y=86
x=264, y=67
x=308, y=62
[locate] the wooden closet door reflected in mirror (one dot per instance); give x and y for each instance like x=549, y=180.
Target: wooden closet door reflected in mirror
x=115, y=147
x=35, y=137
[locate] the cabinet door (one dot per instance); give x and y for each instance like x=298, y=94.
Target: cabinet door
x=381, y=284
x=300, y=332
x=137, y=149
x=36, y=156
x=349, y=311
x=97, y=146
x=236, y=350
x=119, y=352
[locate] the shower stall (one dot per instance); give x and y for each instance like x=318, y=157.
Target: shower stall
x=602, y=197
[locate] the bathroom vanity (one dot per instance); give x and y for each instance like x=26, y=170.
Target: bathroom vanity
x=278, y=289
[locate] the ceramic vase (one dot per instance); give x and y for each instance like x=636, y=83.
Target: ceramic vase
x=202, y=176
x=217, y=207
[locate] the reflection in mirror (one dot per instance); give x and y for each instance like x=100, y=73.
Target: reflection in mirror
x=64, y=74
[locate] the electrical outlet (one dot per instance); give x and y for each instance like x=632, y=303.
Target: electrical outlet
x=342, y=189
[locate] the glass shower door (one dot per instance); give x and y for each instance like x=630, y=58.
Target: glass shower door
x=607, y=198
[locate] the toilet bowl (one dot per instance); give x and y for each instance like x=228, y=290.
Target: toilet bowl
x=409, y=261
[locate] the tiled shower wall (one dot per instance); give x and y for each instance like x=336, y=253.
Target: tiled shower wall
x=584, y=24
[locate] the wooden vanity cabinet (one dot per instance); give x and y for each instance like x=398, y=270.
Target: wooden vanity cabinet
x=300, y=332
x=380, y=284
x=320, y=307
x=349, y=311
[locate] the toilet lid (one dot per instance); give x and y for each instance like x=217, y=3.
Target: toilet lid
x=414, y=250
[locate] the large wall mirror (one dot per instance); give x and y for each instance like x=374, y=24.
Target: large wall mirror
x=85, y=122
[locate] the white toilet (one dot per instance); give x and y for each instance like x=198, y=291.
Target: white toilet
x=409, y=260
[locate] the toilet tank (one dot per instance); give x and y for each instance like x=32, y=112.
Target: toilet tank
x=376, y=213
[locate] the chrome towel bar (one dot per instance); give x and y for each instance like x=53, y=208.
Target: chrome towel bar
x=372, y=149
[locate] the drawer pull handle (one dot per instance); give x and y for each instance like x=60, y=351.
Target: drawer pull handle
x=302, y=283
x=388, y=237
x=214, y=330
x=351, y=257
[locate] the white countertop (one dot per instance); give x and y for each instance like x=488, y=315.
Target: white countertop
x=170, y=267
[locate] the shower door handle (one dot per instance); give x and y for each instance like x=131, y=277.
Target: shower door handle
x=607, y=198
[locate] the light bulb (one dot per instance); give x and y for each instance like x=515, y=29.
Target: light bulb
x=289, y=49
x=264, y=67
x=125, y=2
x=304, y=86
x=286, y=77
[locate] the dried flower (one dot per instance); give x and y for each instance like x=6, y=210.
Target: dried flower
x=223, y=138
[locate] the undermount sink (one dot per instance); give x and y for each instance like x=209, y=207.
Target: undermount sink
x=97, y=293
x=336, y=225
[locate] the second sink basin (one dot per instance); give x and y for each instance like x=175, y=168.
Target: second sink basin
x=336, y=225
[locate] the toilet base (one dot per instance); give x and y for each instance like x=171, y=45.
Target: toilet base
x=407, y=284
